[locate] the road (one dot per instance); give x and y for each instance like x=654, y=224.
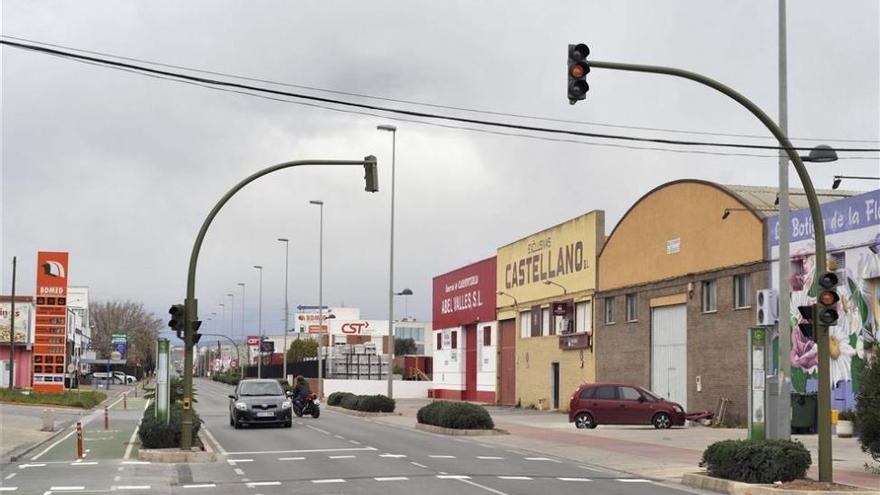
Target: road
x=336, y=453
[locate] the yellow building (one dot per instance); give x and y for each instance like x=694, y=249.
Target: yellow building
x=545, y=286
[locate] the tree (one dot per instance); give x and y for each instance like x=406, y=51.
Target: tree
x=403, y=347
x=868, y=409
x=130, y=318
x=301, y=349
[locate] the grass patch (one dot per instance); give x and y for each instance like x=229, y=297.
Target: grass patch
x=85, y=399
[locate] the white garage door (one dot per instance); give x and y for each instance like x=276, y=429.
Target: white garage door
x=669, y=353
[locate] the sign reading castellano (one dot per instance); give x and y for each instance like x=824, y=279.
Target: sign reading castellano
x=564, y=254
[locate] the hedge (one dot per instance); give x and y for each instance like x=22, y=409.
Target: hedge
x=85, y=399
x=757, y=461
x=457, y=415
x=158, y=435
x=227, y=378
x=335, y=398
x=365, y=403
x=868, y=409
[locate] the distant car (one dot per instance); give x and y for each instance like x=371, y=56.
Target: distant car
x=259, y=402
x=620, y=404
x=121, y=377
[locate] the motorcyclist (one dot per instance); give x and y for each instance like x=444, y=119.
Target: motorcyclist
x=300, y=392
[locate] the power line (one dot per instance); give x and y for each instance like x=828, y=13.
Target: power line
x=409, y=113
x=434, y=105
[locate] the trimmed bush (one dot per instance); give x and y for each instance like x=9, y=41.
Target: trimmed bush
x=335, y=398
x=757, y=461
x=350, y=402
x=868, y=409
x=157, y=435
x=457, y=415
x=227, y=378
x=85, y=399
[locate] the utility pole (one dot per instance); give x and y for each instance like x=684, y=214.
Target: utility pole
x=260, y=324
x=390, y=351
x=286, y=305
x=243, y=336
x=12, y=330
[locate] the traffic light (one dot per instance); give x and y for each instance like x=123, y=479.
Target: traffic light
x=195, y=328
x=806, y=325
x=828, y=299
x=577, y=72
x=178, y=313
x=371, y=174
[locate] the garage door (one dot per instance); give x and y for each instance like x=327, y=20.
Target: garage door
x=669, y=353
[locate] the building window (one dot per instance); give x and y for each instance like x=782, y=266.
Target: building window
x=525, y=324
x=710, y=295
x=837, y=261
x=439, y=340
x=537, y=320
x=609, y=310
x=583, y=316
x=454, y=343
x=742, y=290
x=546, y=327
x=632, y=307
x=487, y=336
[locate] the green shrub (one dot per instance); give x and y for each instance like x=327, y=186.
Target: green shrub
x=158, y=435
x=846, y=415
x=757, y=461
x=85, y=399
x=335, y=398
x=229, y=378
x=350, y=401
x=457, y=415
x=868, y=409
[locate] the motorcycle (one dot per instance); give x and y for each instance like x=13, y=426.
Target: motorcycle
x=311, y=405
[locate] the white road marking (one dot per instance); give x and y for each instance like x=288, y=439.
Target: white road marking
x=120, y=468
x=488, y=489
x=116, y=479
x=453, y=477
x=341, y=457
x=65, y=437
x=331, y=480
x=291, y=458
x=131, y=440
x=235, y=461
x=132, y=463
x=263, y=483
x=540, y=459
x=25, y=466
x=318, y=429
x=133, y=487
x=214, y=441
x=633, y=480
x=442, y=456
x=8, y=488
x=354, y=442
x=305, y=451
x=202, y=485
x=238, y=471
x=66, y=488
x=393, y=456
x=12, y=475
x=392, y=478
x=574, y=479
x=490, y=458
x=525, y=478
x=339, y=437
x=419, y=465
x=93, y=463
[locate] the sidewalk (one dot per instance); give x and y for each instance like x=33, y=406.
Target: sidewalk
x=660, y=454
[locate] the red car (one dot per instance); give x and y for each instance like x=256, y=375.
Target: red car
x=620, y=404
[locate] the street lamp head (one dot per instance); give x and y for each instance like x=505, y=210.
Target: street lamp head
x=240, y=284
x=316, y=202
x=821, y=154
x=389, y=128
x=405, y=292
x=282, y=239
x=836, y=182
x=725, y=214
x=230, y=295
x=258, y=267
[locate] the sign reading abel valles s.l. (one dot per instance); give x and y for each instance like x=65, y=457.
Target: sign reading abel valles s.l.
x=465, y=295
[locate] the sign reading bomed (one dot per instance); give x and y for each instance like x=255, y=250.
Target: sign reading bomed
x=50, y=333
x=465, y=295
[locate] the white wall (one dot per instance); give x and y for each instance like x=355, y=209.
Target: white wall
x=448, y=364
x=486, y=356
x=403, y=389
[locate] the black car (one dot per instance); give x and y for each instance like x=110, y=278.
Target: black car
x=259, y=402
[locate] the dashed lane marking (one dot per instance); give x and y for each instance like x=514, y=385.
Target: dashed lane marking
x=318, y=429
x=93, y=463
x=255, y=484
x=393, y=456
x=10, y=476
x=66, y=488
x=442, y=456
x=236, y=461
x=133, y=487
x=354, y=442
x=339, y=437
x=25, y=466
x=8, y=488
x=453, y=477
x=419, y=465
x=134, y=463
x=541, y=459
x=304, y=451
x=238, y=471
x=392, y=478
x=341, y=457
x=201, y=485
x=291, y=458
x=331, y=480
x=490, y=458
x=633, y=480
x=574, y=479
x=521, y=478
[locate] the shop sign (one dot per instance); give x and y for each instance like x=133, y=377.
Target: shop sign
x=22, y=321
x=465, y=296
x=575, y=341
x=253, y=340
x=50, y=334
x=308, y=319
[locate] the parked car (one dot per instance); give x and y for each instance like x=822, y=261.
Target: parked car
x=620, y=404
x=259, y=402
x=121, y=377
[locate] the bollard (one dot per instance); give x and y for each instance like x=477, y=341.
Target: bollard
x=79, y=440
x=125, y=401
x=48, y=421
x=106, y=419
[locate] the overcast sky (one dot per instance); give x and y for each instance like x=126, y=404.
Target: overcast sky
x=120, y=169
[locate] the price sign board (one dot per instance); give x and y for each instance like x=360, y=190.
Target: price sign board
x=50, y=333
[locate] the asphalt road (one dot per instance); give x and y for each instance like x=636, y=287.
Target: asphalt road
x=336, y=453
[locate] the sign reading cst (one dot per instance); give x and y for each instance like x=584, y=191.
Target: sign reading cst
x=465, y=295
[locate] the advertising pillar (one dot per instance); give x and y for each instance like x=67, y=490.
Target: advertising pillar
x=163, y=366
x=50, y=334
x=757, y=407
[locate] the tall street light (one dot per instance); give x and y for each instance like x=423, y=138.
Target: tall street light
x=839, y=178
x=286, y=302
x=320, y=205
x=260, y=325
x=243, y=336
x=231, y=297
x=406, y=293
x=393, y=130
x=550, y=282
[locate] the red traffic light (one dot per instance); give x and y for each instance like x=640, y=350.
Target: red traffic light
x=579, y=70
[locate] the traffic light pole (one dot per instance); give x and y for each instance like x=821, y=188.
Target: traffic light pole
x=825, y=467
x=186, y=438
